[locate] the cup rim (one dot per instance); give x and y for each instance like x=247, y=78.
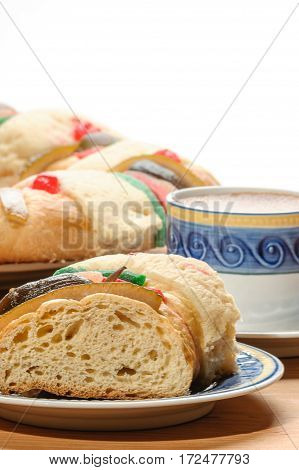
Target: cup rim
x=174, y=197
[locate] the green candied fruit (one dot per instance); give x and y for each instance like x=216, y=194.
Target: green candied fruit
x=128, y=276
x=68, y=269
x=4, y=119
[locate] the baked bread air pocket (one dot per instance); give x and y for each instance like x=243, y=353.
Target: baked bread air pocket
x=116, y=332
x=71, y=215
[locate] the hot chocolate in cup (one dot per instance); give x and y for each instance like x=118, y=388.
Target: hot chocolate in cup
x=251, y=237
x=245, y=202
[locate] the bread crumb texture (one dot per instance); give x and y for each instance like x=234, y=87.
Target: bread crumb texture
x=196, y=293
x=104, y=346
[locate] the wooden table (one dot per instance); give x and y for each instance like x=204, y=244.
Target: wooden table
x=264, y=420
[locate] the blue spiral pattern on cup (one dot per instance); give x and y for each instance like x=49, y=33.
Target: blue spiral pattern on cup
x=236, y=249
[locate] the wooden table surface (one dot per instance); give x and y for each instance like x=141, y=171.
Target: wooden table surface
x=268, y=419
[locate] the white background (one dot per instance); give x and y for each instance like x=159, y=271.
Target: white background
x=165, y=72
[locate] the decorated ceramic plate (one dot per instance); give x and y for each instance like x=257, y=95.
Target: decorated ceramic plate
x=257, y=370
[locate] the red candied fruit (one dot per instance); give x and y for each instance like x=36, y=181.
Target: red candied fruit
x=47, y=183
x=169, y=154
x=81, y=128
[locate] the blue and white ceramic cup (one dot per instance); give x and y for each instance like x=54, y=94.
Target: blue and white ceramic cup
x=256, y=254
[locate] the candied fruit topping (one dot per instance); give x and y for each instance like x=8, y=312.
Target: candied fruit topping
x=47, y=183
x=169, y=154
x=81, y=128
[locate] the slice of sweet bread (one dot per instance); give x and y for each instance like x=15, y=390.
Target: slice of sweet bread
x=119, y=326
x=103, y=346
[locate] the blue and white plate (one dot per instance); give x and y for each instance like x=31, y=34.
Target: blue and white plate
x=257, y=370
